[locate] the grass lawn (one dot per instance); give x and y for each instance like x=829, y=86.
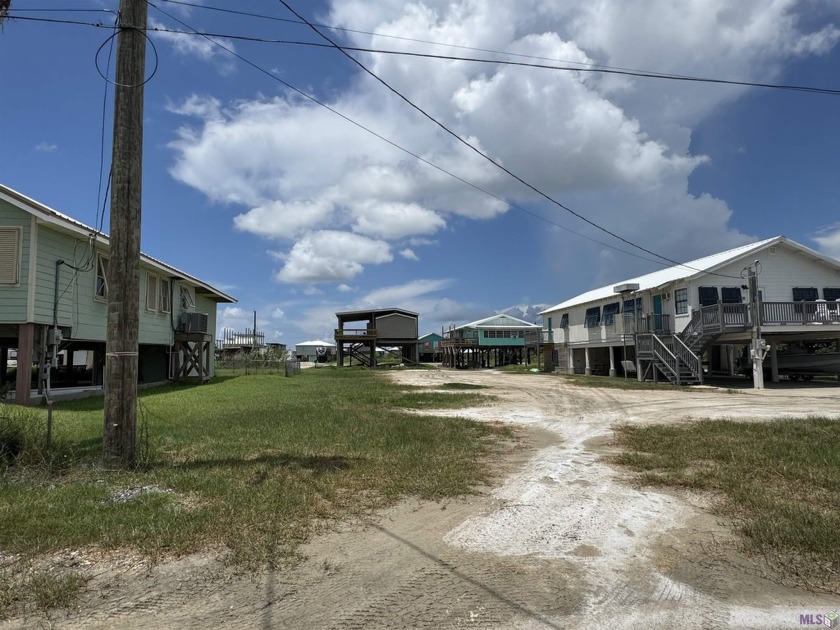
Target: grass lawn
x=779, y=482
x=250, y=464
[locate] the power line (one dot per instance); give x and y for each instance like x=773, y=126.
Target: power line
x=399, y=147
x=580, y=67
x=577, y=67
x=210, y=38
x=590, y=66
x=482, y=154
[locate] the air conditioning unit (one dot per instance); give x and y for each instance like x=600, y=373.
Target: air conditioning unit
x=193, y=323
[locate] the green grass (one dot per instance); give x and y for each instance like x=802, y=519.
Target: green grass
x=440, y=400
x=30, y=590
x=250, y=464
x=779, y=482
x=463, y=386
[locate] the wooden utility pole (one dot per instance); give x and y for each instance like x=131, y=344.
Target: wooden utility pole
x=123, y=274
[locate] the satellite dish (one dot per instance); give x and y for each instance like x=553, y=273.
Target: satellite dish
x=320, y=351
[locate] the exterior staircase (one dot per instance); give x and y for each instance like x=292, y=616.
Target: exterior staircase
x=354, y=352
x=670, y=356
x=677, y=357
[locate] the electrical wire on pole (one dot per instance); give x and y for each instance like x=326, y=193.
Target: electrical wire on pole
x=119, y=439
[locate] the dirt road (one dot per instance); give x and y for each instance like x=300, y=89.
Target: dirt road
x=564, y=541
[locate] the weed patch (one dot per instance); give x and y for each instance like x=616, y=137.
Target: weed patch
x=439, y=400
x=780, y=480
x=26, y=590
x=252, y=464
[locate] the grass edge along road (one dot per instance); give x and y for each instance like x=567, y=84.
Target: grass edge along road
x=251, y=466
x=778, y=482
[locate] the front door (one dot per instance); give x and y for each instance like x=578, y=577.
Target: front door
x=657, y=313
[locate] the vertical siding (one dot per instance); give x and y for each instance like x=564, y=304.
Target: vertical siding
x=13, y=300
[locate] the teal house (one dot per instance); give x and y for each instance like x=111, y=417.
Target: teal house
x=53, y=301
x=429, y=347
x=492, y=341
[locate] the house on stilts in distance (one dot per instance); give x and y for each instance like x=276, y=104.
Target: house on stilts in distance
x=490, y=342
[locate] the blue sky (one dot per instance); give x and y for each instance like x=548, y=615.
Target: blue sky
x=299, y=214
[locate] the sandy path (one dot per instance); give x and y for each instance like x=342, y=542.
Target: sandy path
x=643, y=555
x=564, y=540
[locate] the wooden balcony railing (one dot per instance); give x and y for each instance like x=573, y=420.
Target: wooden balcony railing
x=800, y=313
x=355, y=332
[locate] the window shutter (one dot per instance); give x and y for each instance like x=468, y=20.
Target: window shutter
x=831, y=294
x=731, y=295
x=9, y=255
x=707, y=295
x=805, y=294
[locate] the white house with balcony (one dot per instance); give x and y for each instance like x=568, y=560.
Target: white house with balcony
x=689, y=319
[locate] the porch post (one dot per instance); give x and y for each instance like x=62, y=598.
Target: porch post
x=774, y=364
x=612, y=361
x=26, y=343
x=587, y=370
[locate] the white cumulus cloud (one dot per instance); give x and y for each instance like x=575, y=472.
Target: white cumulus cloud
x=828, y=241
x=329, y=255
x=616, y=149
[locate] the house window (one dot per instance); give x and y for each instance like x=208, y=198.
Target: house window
x=731, y=295
x=632, y=306
x=187, y=300
x=564, y=320
x=593, y=317
x=549, y=324
x=10, y=238
x=610, y=311
x=681, y=301
x=101, y=289
x=165, y=296
x=708, y=296
x=151, y=292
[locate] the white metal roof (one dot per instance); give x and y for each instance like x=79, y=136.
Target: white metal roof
x=683, y=271
x=316, y=342
x=499, y=320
